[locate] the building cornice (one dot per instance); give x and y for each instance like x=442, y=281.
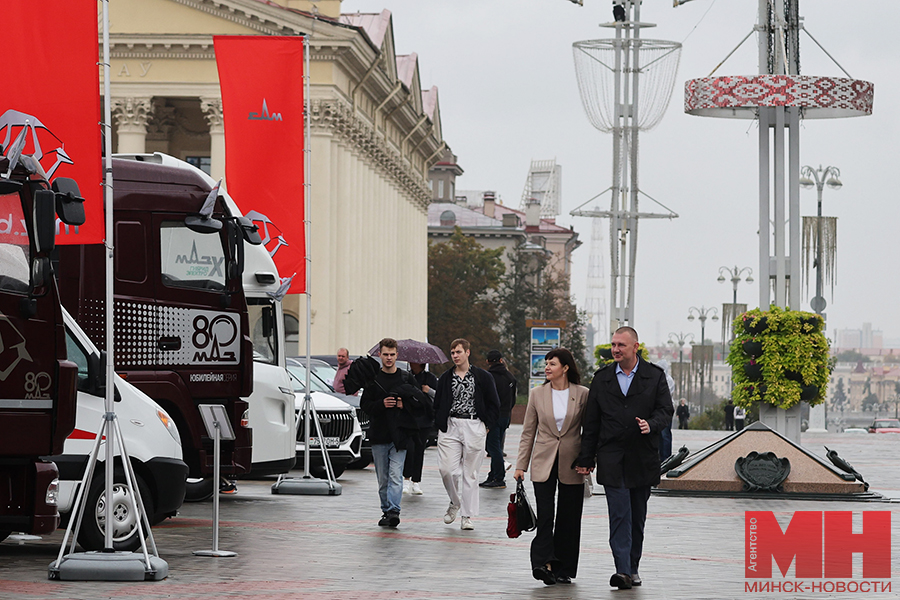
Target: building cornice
x=338, y=118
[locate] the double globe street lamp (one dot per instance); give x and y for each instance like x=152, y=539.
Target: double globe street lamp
x=679, y=340
x=819, y=178
x=703, y=313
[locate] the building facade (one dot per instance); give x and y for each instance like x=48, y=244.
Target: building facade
x=375, y=135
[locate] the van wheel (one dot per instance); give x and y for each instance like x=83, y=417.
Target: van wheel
x=124, y=515
x=198, y=490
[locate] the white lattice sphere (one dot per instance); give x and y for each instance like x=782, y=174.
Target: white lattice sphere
x=656, y=62
x=741, y=96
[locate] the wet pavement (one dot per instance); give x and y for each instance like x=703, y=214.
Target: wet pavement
x=329, y=547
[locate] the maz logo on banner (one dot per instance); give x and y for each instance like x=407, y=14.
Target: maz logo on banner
x=272, y=237
x=820, y=544
x=264, y=114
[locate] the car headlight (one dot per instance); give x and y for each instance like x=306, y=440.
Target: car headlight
x=52, y=497
x=169, y=423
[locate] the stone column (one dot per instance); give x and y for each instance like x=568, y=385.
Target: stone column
x=131, y=116
x=212, y=110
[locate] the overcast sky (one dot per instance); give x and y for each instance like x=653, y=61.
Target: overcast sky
x=508, y=94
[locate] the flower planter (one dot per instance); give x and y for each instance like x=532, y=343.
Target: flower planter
x=809, y=392
x=753, y=371
x=760, y=326
x=752, y=348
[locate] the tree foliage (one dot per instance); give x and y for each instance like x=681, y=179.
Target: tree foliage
x=462, y=278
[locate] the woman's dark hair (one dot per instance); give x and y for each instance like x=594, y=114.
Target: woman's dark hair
x=567, y=360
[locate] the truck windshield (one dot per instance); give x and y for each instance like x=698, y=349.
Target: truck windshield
x=14, y=246
x=190, y=259
x=265, y=330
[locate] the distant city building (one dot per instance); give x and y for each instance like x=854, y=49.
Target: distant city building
x=866, y=337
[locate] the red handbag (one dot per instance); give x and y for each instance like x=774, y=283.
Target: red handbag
x=512, y=523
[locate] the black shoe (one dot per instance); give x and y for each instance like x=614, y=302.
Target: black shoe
x=563, y=579
x=544, y=574
x=497, y=484
x=486, y=483
x=393, y=519
x=621, y=581
x=384, y=521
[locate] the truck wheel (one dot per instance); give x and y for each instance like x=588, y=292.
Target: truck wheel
x=198, y=490
x=124, y=514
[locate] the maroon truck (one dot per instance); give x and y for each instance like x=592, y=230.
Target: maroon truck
x=181, y=321
x=37, y=383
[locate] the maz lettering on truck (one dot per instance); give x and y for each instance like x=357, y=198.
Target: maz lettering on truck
x=149, y=335
x=201, y=266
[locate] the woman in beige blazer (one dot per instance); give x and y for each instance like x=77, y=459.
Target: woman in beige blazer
x=550, y=442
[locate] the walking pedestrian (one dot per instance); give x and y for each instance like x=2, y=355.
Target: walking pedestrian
x=628, y=405
x=740, y=416
x=729, y=415
x=506, y=391
x=392, y=403
x=466, y=407
x=551, y=442
x=415, y=453
x=684, y=413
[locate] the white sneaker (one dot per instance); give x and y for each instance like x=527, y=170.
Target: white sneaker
x=406, y=486
x=450, y=515
x=415, y=490
x=466, y=524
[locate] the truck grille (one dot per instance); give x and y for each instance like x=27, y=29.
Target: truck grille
x=337, y=424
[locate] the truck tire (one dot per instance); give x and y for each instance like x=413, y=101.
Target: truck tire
x=125, y=532
x=198, y=490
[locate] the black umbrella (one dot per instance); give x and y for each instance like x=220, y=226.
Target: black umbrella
x=416, y=352
x=361, y=373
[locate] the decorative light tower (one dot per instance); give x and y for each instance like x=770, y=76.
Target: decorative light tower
x=625, y=85
x=705, y=351
x=777, y=98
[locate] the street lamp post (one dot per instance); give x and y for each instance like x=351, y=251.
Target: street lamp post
x=819, y=178
x=703, y=313
x=735, y=275
x=680, y=339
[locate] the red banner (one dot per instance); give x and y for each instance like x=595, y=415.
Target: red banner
x=261, y=78
x=52, y=79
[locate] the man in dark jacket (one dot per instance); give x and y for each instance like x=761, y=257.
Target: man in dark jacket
x=628, y=405
x=393, y=403
x=466, y=407
x=506, y=390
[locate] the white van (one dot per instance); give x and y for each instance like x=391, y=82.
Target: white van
x=271, y=412
x=151, y=440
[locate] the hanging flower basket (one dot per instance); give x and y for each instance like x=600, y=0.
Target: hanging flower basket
x=779, y=356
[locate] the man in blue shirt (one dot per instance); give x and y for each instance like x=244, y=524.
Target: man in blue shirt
x=628, y=405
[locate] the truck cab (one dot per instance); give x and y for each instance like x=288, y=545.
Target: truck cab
x=182, y=332
x=37, y=382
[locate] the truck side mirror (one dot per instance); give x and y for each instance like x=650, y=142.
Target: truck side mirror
x=202, y=225
x=8, y=186
x=250, y=231
x=44, y=221
x=69, y=202
x=268, y=321
x=97, y=376
x=235, y=240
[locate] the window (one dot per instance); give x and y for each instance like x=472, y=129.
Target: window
x=190, y=259
x=292, y=334
x=264, y=330
x=14, y=248
x=440, y=189
x=78, y=356
x=204, y=163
